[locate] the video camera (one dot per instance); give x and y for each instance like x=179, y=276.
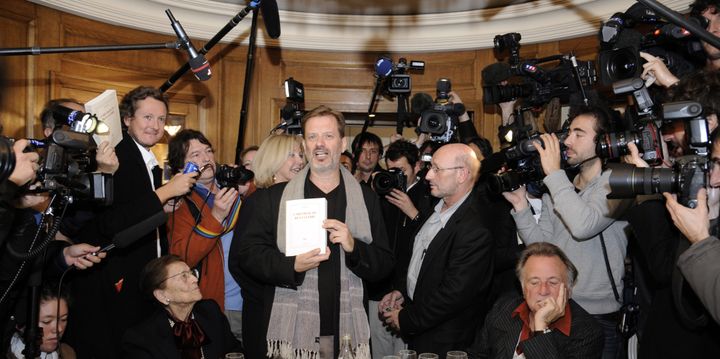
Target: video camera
x=620, y=43
x=293, y=111
x=524, y=166
x=689, y=173
x=67, y=164
x=440, y=120
x=539, y=86
x=394, y=77
x=383, y=182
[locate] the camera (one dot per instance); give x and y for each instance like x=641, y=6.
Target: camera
x=686, y=178
x=229, y=176
x=540, y=85
x=440, y=120
x=619, y=58
x=394, y=77
x=524, y=165
x=511, y=43
x=66, y=165
x=646, y=138
x=293, y=111
x=689, y=173
x=384, y=181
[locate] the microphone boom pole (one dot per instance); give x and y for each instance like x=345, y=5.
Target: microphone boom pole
x=212, y=42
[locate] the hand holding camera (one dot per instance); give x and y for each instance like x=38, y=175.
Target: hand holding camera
x=26, y=164
x=692, y=222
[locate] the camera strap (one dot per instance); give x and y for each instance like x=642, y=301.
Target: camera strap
x=609, y=270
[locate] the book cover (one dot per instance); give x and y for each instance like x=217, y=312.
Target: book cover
x=105, y=107
x=303, y=225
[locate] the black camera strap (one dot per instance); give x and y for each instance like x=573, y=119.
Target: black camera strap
x=609, y=270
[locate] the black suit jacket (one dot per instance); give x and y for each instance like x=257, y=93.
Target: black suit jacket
x=501, y=332
x=109, y=293
x=452, y=285
x=154, y=337
x=258, y=266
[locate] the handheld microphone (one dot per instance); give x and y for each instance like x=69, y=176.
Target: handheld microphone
x=198, y=63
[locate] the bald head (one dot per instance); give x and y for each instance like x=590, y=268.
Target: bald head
x=454, y=170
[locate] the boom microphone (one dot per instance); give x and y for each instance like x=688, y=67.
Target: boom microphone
x=128, y=236
x=271, y=17
x=198, y=63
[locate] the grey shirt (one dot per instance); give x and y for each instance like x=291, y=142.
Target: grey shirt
x=574, y=221
x=424, y=237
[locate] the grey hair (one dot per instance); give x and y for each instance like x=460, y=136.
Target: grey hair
x=545, y=249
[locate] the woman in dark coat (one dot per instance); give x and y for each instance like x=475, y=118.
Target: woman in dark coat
x=186, y=326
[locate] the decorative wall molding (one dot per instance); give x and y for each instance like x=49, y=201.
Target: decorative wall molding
x=537, y=21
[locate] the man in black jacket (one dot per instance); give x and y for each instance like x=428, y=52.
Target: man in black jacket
x=444, y=288
x=107, y=300
x=546, y=323
x=300, y=305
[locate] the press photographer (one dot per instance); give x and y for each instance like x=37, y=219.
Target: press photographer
x=673, y=322
x=578, y=218
x=406, y=202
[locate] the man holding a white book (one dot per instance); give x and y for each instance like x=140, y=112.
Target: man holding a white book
x=301, y=304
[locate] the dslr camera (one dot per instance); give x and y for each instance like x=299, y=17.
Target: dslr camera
x=383, y=182
x=440, y=120
x=689, y=173
x=229, y=176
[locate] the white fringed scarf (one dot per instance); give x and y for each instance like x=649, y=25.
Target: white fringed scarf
x=295, y=319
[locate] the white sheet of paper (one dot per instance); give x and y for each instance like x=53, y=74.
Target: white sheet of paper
x=105, y=107
x=303, y=225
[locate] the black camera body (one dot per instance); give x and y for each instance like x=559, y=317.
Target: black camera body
x=440, y=121
x=689, y=173
x=646, y=137
x=384, y=182
x=509, y=42
x=229, y=176
x=524, y=166
x=539, y=85
x=67, y=165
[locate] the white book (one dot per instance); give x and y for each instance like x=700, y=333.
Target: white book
x=303, y=226
x=105, y=107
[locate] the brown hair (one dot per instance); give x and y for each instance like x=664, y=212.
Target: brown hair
x=154, y=273
x=323, y=110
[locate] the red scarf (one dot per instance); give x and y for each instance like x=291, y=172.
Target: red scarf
x=189, y=337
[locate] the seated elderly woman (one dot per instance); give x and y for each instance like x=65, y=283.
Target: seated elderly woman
x=278, y=159
x=53, y=317
x=185, y=326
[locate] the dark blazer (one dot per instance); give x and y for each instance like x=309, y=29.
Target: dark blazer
x=109, y=293
x=452, y=285
x=154, y=337
x=501, y=332
x=258, y=266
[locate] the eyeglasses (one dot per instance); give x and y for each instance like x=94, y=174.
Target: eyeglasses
x=185, y=275
x=437, y=169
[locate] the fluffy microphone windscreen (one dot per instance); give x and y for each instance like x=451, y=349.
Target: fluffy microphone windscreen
x=271, y=16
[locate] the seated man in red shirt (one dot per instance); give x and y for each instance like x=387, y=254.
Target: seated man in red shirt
x=547, y=323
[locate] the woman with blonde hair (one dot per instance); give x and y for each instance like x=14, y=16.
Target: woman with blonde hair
x=279, y=159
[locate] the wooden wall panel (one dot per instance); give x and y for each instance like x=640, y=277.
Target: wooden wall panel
x=341, y=80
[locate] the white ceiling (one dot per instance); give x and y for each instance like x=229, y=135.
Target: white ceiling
x=385, y=7
x=368, y=25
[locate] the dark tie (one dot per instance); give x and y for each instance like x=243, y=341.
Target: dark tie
x=162, y=231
